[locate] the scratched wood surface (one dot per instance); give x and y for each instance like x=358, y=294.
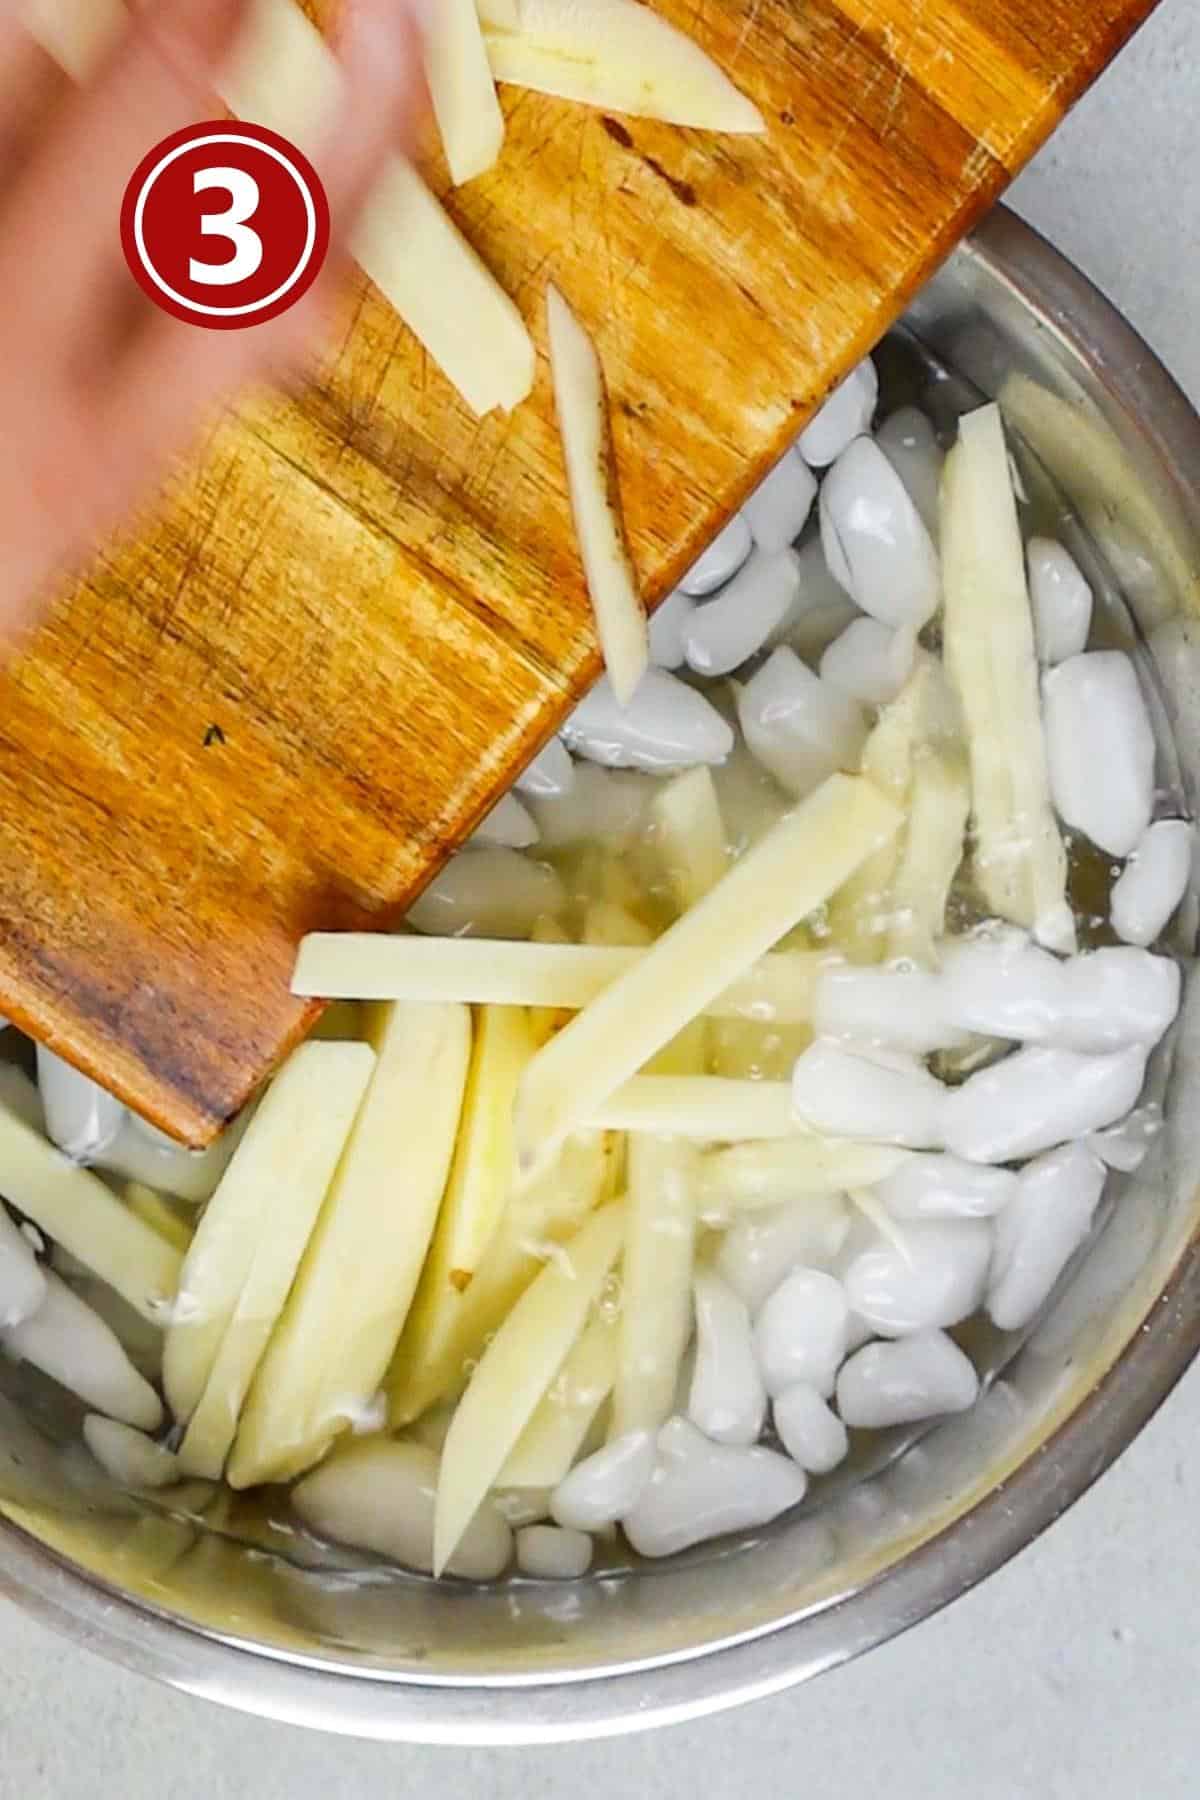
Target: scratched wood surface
x=286, y=702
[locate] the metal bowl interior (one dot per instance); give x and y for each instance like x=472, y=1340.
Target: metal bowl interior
x=1112, y=441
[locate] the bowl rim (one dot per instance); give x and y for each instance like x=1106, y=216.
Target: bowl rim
x=372, y=1704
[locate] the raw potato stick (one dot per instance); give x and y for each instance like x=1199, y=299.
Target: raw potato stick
x=344, y=1071
x=462, y=90
x=535, y=1222
x=332, y=1347
x=799, y=863
x=713, y=1109
x=549, y=1444
x=749, y=1175
x=620, y=56
x=1020, y=861
x=582, y=406
x=279, y=1171
x=481, y=1178
x=691, y=835
x=514, y=1372
x=496, y=971
x=656, y=1282
x=934, y=843
x=78, y=1211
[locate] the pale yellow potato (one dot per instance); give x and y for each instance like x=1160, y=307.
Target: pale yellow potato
x=501, y=15
x=1020, y=861
x=792, y=870
x=750, y=1175
x=690, y=835
x=622, y=57
x=127, y=1455
x=547, y=972
x=550, y=1443
x=607, y=922
x=582, y=407
x=154, y=1210
x=76, y=1209
x=745, y=1050
x=934, y=846
x=656, y=1282
x=481, y=1181
x=712, y=1109
x=514, y=1372
x=536, y=1220
x=461, y=88
x=859, y=915
x=334, y=1342
x=260, y=1217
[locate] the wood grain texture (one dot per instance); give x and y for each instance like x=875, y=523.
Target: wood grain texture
x=285, y=702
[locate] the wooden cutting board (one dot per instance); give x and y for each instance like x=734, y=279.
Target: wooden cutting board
x=283, y=706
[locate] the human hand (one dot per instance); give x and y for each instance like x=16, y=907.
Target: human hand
x=99, y=389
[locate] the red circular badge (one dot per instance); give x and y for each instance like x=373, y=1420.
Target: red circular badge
x=225, y=225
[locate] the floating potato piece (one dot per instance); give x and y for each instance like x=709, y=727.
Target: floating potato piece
x=991, y=658
x=72, y=1344
x=792, y=870
x=515, y=1371
x=331, y=1348
x=549, y=973
x=260, y=1217
x=656, y=1281
x=546, y=1449
x=127, y=1455
x=481, y=1179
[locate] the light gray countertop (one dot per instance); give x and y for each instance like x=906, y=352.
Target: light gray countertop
x=1075, y=1670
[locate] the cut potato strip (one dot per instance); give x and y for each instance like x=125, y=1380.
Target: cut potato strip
x=934, y=845
x=656, y=1282
x=276, y=1257
x=462, y=90
x=536, y=1221
x=158, y=1213
x=707, y=1108
x=500, y=15
x=76, y=1209
x=799, y=863
x=1020, y=861
x=549, y=1444
x=747, y=1176
x=623, y=57
x=582, y=406
x=514, y=1372
x=334, y=1343
x=859, y=916
x=267, y=1198
x=127, y=1455
x=480, y=971
x=610, y=925
x=481, y=1180
x=691, y=835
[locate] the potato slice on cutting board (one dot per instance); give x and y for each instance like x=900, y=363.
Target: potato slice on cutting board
x=331, y=1348
x=481, y=1180
x=462, y=89
x=582, y=407
x=264, y=1207
x=621, y=56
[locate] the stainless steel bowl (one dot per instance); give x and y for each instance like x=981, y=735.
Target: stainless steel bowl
x=1116, y=445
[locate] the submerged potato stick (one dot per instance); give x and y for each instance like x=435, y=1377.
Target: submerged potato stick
x=582, y=406
x=656, y=1281
x=1020, y=860
x=331, y=1348
x=799, y=863
x=514, y=1372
